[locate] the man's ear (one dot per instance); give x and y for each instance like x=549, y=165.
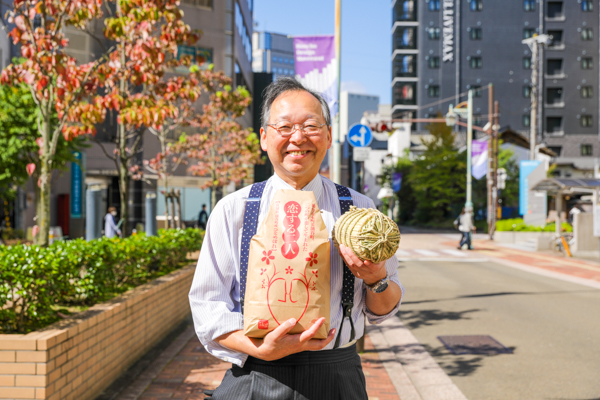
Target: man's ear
x=330, y=138
x=263, y=139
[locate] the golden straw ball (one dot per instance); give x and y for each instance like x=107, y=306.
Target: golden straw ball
x=369, y=233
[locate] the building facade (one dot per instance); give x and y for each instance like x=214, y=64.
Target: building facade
x=443, y=48
x=274, y=53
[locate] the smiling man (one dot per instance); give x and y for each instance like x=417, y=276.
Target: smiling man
x=295, y=133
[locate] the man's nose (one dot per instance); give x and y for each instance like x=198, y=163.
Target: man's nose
x=298, y=136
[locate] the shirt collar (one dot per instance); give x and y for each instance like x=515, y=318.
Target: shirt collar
x=315, y=186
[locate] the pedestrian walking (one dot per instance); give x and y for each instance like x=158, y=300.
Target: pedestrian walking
x=203, y=218
x=110, y=225
x=295, y=133
x=465, y=225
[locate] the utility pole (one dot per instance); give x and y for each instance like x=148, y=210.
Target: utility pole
x=491, y=176
x=469, y=202
x=495, y=127
x=534, y=44
x=336, y=148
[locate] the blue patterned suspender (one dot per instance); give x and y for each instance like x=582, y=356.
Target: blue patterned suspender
x=249, y=230
x=348, y=286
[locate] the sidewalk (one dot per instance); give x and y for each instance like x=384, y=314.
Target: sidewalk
x=395, y=364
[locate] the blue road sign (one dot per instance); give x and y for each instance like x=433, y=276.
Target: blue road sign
x=360, y=135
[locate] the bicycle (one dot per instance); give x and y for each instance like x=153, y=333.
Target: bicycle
x=563, y=243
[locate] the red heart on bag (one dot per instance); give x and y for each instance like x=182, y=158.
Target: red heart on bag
x=296, y=293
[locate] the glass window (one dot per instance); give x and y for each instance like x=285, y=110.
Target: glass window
x=587, y=5
x=556, y=149
x=586, y=149
x=243, y=32
x=554, y=124
x=475, y=34
x=274, y=59
x=587, y=92
x=405, y=66
x=587, y=63
x=554, y=66
x=433, y=62
x=586, y=122
x=529, y=5
x=554, y=96
x=527, y=62
x=201, y=3
x=404, y=10
x=587, y=34
x=200, y=56
x=527, y=91
x=434, y=5
x=405, y=93
x=555, y=9
x=433, y=33
x=528, y=32
x=477, y=120
x=526, y=120
x=557, y=37
x=476, y=90
x=433, y=91
x=475, y=62
x=476, y=5
x=405, y=38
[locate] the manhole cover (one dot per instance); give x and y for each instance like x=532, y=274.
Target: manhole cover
x=473, y=344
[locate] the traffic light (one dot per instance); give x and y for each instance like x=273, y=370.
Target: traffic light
x=501, y=178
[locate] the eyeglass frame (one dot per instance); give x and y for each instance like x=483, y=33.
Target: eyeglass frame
x=294, y=129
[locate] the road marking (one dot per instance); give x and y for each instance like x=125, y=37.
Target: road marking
x=453, y=252
x=428, y=253
x=445, y=259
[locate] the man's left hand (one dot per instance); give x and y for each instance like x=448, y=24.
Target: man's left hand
x=368, y=271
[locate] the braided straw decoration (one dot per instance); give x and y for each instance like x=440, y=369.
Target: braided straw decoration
x=370, y=234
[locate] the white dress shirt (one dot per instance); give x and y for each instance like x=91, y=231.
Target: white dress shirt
x=215, y=292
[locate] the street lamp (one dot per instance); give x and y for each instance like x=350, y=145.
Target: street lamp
x=451, y=118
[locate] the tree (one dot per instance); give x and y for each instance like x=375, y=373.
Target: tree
x=146, y=34
x=438, y=176
x=20, y=139
x=223, y=150
x=178, y=97
x=57, y=84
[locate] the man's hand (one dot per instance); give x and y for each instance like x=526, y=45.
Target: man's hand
x=368, y=271
x=278, y=343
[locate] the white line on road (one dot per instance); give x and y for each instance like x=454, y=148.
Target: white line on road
x=453, y=252
x=424, y=252
x=402, y=253
x=445, y=259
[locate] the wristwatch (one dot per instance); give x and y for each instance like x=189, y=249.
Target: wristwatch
x=379, y=286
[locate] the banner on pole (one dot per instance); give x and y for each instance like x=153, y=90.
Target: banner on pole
x=316, y=66
x=396, y=181
x=479, y=161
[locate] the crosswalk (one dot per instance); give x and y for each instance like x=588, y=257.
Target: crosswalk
x=437, y=255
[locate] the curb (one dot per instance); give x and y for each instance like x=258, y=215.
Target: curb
x=414, y=373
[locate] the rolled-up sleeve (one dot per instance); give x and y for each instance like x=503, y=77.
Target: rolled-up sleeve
x=214, y=295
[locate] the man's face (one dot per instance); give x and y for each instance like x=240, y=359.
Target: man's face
x=297, y=158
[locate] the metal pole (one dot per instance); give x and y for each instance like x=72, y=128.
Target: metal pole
x=534, y=99
x=490, y=170
x=496, y=145
x=469, y=202
x=336, y=147
x=93, y=220
x=151, y=214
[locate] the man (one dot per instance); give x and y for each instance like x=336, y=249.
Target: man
x=465, y=226
x=110, y=226
x=295, y=133
x=203, y=218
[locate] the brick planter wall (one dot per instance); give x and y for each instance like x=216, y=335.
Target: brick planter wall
x=79, y=357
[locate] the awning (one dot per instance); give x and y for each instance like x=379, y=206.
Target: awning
x=554, y=185
x=510, y=136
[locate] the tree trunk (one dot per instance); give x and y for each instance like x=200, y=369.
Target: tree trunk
x=43, y=205
x=122, y=145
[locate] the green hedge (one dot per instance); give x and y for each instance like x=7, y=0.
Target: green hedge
x=517, y=225
x=36, y=282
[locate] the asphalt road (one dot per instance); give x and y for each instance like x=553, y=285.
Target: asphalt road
x=552, y=327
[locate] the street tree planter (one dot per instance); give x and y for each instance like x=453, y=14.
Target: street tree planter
x=79, y=357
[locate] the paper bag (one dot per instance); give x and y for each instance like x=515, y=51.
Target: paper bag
x=288, y=267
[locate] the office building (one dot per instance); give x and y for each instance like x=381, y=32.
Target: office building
x=274, y=53
x=443, y=48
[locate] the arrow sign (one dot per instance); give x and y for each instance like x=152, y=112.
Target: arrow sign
x=360, y=135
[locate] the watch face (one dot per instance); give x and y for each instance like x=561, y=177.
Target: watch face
x=380, y=287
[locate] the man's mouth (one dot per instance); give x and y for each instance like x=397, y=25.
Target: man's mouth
x=297, y=153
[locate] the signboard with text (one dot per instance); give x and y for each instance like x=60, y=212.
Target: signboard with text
x=77, y=186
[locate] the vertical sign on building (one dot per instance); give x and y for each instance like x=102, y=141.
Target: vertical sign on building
x=77, y=186
x=316, y=66
x=525, y=169
x=448, y=31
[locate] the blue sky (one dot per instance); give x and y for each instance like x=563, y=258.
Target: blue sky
x=366, y=36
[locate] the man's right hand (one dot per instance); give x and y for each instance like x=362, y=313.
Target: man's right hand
x=277, y=343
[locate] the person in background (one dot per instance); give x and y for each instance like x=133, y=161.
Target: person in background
x=203, y=218
x=110, y=225
x=465, y=226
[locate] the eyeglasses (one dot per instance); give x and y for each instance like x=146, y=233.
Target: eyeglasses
x=309, y=128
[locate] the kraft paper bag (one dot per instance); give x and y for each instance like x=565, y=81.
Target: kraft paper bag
x=288, y=267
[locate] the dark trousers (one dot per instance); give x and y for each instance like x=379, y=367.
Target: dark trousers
x=310, y=375
x=466, y=238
